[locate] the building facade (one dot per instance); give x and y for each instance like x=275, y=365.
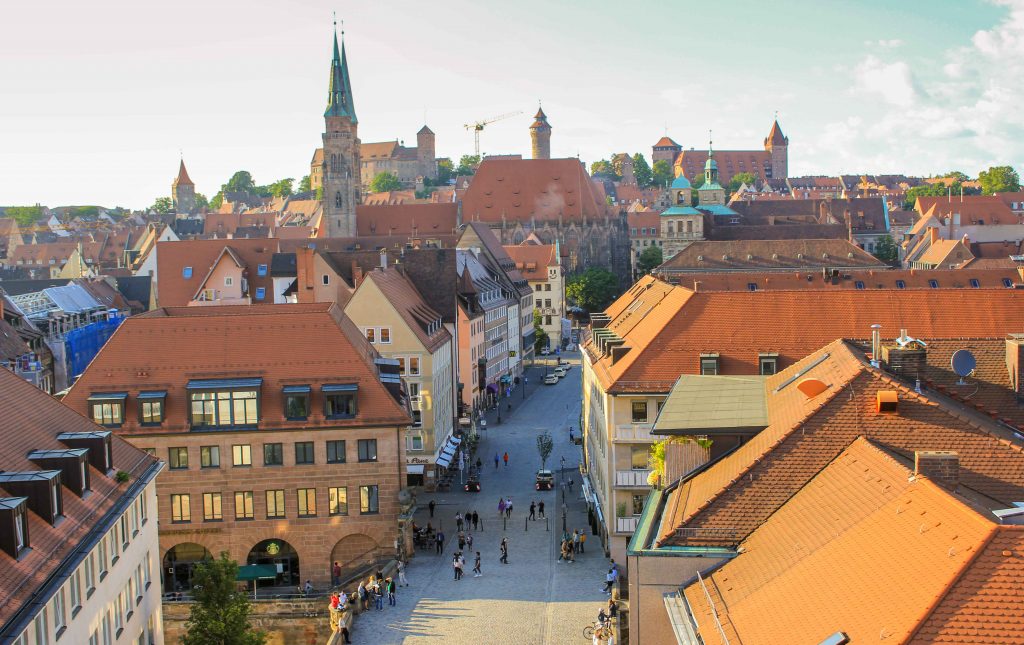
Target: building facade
x=771, y=163
x=541, y=265
x=282, y=428
x=80, y=560
x=341, y=154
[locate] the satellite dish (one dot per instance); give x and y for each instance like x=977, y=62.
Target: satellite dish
x=963, y=363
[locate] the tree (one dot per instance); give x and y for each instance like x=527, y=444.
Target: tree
x=83, y=211
x=886, y=251
x=540, y=336
x=544, y=446
x=957, y=175
x=594, y=289
x=201, y=201
x=162, y=205
x=241, y=181
x=741, y=178
x=282, y=187
x=384, y=182
x=24, y=215
x=661, y=173
x=468, y=165
x=445, y=171
x=604, y=168
x=999, y=179
x=220, y=613
x=304, y=185
x=642, y=171
x=650, y=259
x=217, y=201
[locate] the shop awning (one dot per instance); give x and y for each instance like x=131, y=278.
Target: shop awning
x=454, y=440
x=223, y=383
x=153, y=394
x=444, y=460
x=414, y=469
x=108, y=396
x=257, y=572
x=340, y=387
x=449, y=451
x=296, y=389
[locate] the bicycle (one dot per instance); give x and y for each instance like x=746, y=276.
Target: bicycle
x=588, y=631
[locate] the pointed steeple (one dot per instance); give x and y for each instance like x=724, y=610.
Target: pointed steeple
x=339, y=93
x=182, y=179
x=540, y=120
x=775, y=136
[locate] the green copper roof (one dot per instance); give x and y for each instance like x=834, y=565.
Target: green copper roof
x=680, y=210
x=710, y=185
x=681, y=183
x=339, y=93
x=710, y=163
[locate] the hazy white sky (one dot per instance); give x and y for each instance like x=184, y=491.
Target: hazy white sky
x=98, y=97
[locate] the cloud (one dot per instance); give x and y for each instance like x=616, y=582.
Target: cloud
x=892, y=43
x=675, y=97
x=894, y=81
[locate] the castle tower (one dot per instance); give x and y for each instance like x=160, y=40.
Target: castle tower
x=540, y=136
x=777, y=145
x=341, y=151
x=425, y=153
x=183, y=192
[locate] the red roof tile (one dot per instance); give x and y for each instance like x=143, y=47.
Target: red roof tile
x=407, y=219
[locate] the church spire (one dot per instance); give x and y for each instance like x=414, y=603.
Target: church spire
x=339, y=93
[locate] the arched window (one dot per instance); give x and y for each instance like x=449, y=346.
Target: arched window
x=337, y=199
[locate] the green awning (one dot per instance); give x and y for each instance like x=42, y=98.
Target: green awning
x=257, y=572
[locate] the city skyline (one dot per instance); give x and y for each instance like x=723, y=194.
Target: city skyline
x=893, y=89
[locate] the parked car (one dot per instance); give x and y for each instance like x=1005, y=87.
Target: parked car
x=473, y=484
x=545, y=352
x=560, y=371
x=545, y=480
x=551, y=379
x=564, y=363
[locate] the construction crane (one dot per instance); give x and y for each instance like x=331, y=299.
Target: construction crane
x=478, y=127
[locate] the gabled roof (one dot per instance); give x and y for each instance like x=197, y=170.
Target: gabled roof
x=769, y=255
x=410, y=305
x=227, y=253
x=425, y=130
x=174, y=289
x=182, y=178
x=666, y=142
x=407, y=219
x=830, y=559
x=375, y=151
x=775, y=136
x=533, y=260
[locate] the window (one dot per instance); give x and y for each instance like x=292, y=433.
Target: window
x=325, y=279
x=1007, y=282
x=228, y=281
x=102, y=552
x=90, y=574
x=934, y=284
x=225, y=408
x=75, y=591
x=273, y=454
x=151, y=408
x=638, y=504
x=639, y=457
x=186, y=272
x=639, y=411
x=42, y=627
x=107, y=411
x=241, y=455
x=371, y=334
x=119, y=609
x=147, y=569
x=367, y=450
x=261, y=293
x=177, y=458
x=243, y=505
x=137, y=582
x=768, y=364
x=751, y=286
x=209, y=456
x=212, y=508
x=339, y=401
x=975, y=284
x=60, y=614
x=304, y=452
x=858, y=284
x=709, y=364
x=124, y=532
x=261, y=270
x=181, y=510
x=385, y=334
x=296, y=402
x=368, y=502
x=275, y=503
x=335, y=452
x=414, y=366
x=900, y=284
x=307, y=502
x=415, y=441
x=338, y=500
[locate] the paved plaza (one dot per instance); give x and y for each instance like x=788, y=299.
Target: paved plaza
x=533, y=599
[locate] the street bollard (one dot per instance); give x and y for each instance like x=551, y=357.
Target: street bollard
x=526, y=524
x=546, y=527
x=504, y=523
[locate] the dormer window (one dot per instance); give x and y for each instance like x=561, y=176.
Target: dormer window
x=709, y=364
x=296, y=402
x=14, y=525
x=151, y=407
x=224, y=402
x=340, y=400
x=107, y=408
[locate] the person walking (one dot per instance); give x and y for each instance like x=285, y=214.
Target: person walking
x=504, y=551
x=506, y=459
x=609, y=580
x=336, y=574
x=479, y=464
x=575, y=541
x=469, y=541
x=571, y=439
x=455, y=565
x=431, y=506
x=462, y=540
x=583, y=540
x=476, y=520
x=501, y=506
x=391, y=591
x=561, y=553
x=496, y=460
x=458, y=521
x=401, y=573
x=476, y=566
x=508, y=507
x=533, y=510
x=540, y=509
x=439, y=538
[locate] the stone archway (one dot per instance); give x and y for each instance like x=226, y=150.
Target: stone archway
x=355, y=551
x=279, y=553
x=179, y=563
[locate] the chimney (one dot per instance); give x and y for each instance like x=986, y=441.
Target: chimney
x=933, y=235
x=876, y=341
x=383, y=259
x=887, y=401
x=940, y=466
x=907, y=357
x=1014, y=351
x=304, y=266
x=357, y=274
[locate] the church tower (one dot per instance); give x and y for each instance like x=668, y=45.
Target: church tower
x=341, y=151
x=777, y=145
x=425, y=154
x=540, y=135
x=711, y=192
x=183, y=192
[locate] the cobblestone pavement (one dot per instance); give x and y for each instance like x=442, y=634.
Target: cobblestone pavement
x=531, y=600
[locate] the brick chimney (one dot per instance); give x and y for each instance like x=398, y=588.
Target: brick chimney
x=941, y=466
x=1014, y=352
x=357, y=274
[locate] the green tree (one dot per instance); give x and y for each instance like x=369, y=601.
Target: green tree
x=217, y=201
x=741, y=178
x=162, y=205
x=650, y=259
x=957, y=175
x=642, y=171
x=886, y=251
x=929, y=190
x=24, y=215
x=999, y=179
x=282, y=187
x=445, y=171
x=468, y=165
x=540, y=336
x=220, y=613
x=661, y=173
x=594, y=289
x=604, y=168
x=201, y=201
x=384, y=182
x=241, y=181
x=304, y=185
x=545, y=444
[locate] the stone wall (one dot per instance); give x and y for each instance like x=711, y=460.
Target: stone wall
x=286, y=622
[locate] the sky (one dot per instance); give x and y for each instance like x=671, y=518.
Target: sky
x=100, y=98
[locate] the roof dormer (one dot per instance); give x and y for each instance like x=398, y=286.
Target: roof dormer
x=101, y=453
x=41, y=487
x=72, y=464
x=14, y=525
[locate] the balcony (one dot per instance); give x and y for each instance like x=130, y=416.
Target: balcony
x=626, y=524
x=632, y=478
x=416, y=402
x=634, y=432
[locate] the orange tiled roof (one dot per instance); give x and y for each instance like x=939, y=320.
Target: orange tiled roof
x=182, y=178
x=59, y=252
x=974, y=209
x=690, y=163
x=31, y=420
x=410, y=305
x=310, y=344
x=945, y=253
x=865, y=549
x=174, y=289
x=769, y=255
x=732, y=497
x=869, y=279
x=666, y=142
x=406, y=219
x=533, y=260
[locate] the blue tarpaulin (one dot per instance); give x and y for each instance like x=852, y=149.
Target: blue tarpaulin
x=85, y=342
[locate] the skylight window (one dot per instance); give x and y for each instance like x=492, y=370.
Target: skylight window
x=186, y=272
